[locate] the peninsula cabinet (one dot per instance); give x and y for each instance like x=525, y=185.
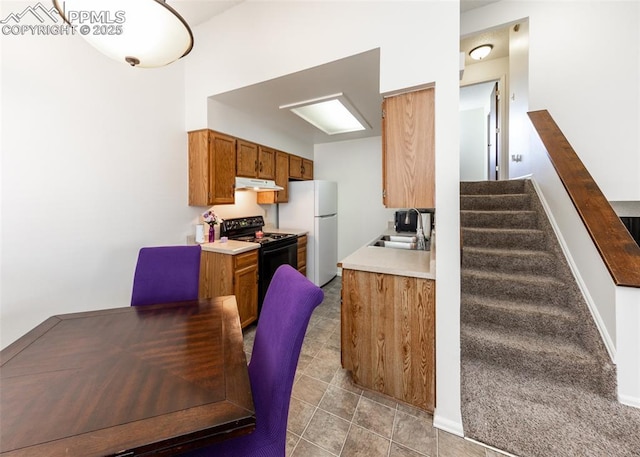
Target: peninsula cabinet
x=212, y=168
x=225, y=274
x=408, y=150
x=388, y=335
x=255, y=161
x=282, y=180
x=300, y=168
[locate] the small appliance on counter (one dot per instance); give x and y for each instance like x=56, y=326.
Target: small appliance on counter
x=409, y=222
x=402, y=225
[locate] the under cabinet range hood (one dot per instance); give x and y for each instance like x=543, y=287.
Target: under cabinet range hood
x=258, y=185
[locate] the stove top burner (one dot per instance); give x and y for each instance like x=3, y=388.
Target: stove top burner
x=245, y=228
x=266, y=238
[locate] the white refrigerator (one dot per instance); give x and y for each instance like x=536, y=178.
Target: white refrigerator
x=313, y=206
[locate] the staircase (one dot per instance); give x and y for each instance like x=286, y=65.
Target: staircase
x=521, y=308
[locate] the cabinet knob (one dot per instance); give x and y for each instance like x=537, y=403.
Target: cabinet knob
x=255, y=165
x=260, y=166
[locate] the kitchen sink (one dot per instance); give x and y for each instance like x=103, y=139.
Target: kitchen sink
x=396, y=242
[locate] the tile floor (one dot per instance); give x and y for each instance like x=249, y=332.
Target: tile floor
x=329, y=416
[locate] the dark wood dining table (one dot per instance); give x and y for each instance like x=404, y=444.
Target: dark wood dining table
x=134, y=381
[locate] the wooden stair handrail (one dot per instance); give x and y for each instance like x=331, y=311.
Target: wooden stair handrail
x=618, y=249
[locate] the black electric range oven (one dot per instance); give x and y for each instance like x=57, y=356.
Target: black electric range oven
x=275, y=248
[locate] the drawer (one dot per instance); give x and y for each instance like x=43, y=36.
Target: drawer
x=245, y=259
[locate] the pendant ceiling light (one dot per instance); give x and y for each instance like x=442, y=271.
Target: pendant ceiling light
x=144, y=33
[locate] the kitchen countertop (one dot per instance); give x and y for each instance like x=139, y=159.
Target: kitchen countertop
x=626, y=208
x=297, y=232
x=400, y=262
x=231, y=247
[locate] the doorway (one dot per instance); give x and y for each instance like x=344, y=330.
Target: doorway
x=480, y=143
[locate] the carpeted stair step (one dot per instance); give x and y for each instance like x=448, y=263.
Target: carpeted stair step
x=514, y=287
x=533, y=364
x=532, y=318
x=538, y=356
x=509, y=261
x=498, y=219
x=531, y=239
x=510, y=202
x=515, y=186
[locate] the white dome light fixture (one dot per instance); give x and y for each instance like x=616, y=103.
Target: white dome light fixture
x=480, y=52
x=143, y=33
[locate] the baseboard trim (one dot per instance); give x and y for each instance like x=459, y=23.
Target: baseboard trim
x=629, y=401
x=448, y=425
x=500, y=451
x=606, y=338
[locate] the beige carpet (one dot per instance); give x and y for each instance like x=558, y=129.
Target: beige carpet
x=536, y=378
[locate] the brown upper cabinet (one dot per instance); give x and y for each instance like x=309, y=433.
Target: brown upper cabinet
x=266, y=163
x=212, y=168
x=408, y=150
x=247, y=159
x=282, y=180
x=215, y=159
x=300, y=168
x=307, y=169
x=254, y=161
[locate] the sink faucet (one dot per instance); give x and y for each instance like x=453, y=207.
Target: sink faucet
x=422, y=244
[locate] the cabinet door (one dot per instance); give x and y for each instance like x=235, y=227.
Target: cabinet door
x=282, y=180
x=266, y=163
x=302, y=254
x=307, y=169
x=282, y=176
x=216, y=275
x=408, y=150
x=222, y=163
x=199, y=168
x=247, y=160
x=388, y=335
x=245, y=281
x=295, y=167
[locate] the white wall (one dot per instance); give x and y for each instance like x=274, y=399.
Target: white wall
x=231, y=121
x=473, y=145
x=356, y=166
x=589, y=85
x=419, y=44
x=93, y=167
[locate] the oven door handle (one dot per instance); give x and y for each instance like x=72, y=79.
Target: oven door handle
x=266, y=249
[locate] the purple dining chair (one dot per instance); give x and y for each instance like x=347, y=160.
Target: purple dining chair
x=166, y=274
x=287, y=308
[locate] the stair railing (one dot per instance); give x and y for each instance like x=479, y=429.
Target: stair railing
x=616, y=246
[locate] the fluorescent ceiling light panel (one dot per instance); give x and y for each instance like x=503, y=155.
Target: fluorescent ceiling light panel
x=332, y=114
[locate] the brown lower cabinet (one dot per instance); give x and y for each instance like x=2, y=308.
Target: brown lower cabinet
x=224, y=274
x=388, y=335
